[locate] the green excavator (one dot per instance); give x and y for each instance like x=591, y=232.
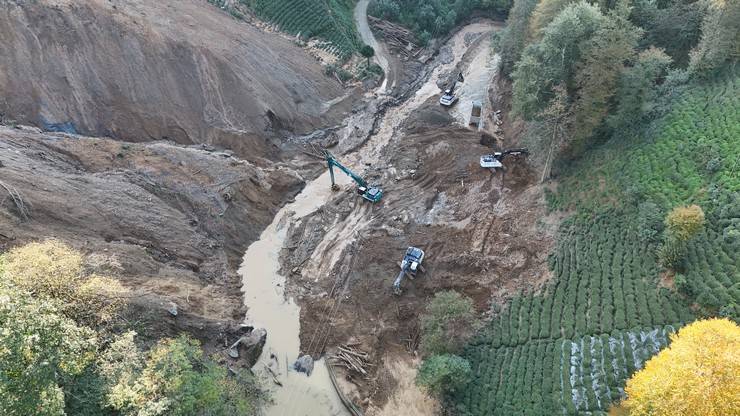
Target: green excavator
x=371, y=193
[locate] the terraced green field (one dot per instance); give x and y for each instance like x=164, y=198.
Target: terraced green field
x=570, y=349
x=328, y=20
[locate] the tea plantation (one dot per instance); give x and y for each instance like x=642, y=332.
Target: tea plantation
x=570, y=349
x=328, y=20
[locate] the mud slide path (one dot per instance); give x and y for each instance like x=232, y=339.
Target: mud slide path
x=264, y=286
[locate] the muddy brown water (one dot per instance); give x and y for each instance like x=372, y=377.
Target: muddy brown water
x=264, y=286
x=264, y=295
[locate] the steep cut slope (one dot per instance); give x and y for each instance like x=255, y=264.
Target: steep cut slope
x=171, y=222
x=141, y=70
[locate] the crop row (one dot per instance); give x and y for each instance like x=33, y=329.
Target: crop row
x=329, y=20
x=569, y=350
x=690, y=156
x=546, y=377
x=692, y=149
x=712, y=265
x=605, y=279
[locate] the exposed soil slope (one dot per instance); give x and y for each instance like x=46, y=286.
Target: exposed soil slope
x=171, y=222
x=144, y=70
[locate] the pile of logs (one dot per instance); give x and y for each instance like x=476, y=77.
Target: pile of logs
x=411, y=342
x=396, y=36
x=352, y=358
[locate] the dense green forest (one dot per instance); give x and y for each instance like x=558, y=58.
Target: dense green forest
x=430, y=19
x=635, y=109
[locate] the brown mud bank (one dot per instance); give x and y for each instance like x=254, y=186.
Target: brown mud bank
x=144, y=70
x=170, y=222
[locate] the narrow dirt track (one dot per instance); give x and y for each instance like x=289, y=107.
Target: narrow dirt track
x=381, y=57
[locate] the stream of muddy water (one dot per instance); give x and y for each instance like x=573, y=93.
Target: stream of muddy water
x=264, y=286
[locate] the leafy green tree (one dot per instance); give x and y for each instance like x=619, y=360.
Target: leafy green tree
x=51, y=270
x=685, y=222
x=637, y=90
x=695, y=375
x=552, y=61
x=720, y=38
x=368, y=52
x=449, y=320
x=40, y=351
x=674, y=26
x=52, y=365
x=173, y=379
x=543, y=14
x=597, y=73
x=514, y=37
x=443, y=373
x=385, y=9
x=434, y=18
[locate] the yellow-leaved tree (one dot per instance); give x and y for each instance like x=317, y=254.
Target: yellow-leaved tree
x=53, y=270
x=698, y=374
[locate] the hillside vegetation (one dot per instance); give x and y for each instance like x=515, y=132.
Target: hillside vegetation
x=431, y=19
x=330, y=21
x=673, y=381
x=67, y=347
x=634, y=123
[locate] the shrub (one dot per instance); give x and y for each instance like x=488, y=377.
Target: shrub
x=672, y=252
x=685, y=222
x=447, y=323
x=649, y=221
x=173, y=379
x=443, y=373
x=683, y=285
x=730, y=311
x=695, y=375
x=339, y=72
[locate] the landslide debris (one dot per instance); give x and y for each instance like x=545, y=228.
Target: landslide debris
x=143, y=70
x=170, y=222
x=485, y=234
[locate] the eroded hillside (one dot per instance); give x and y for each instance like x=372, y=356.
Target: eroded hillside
x=170, y=222
x=141, y=70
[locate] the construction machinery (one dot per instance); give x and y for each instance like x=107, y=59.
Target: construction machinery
x=371, y=193
x=495, y=161
x=410, y=265
x=475, y=113
x=449, y=98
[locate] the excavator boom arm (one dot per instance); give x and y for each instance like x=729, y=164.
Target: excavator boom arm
x=333, y=162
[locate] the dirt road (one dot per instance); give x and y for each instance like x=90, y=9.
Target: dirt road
x=381, y=57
